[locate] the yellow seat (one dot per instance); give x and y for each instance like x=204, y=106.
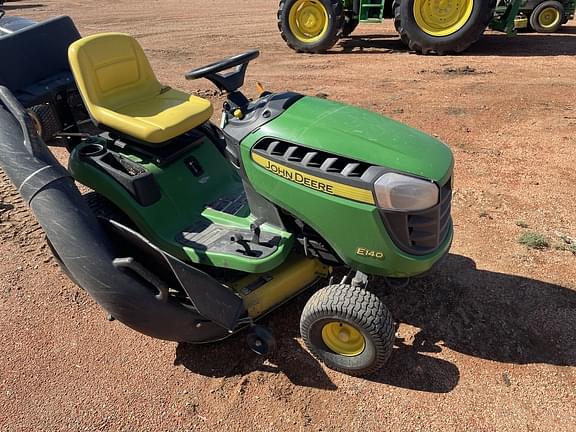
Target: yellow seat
x=122, y=93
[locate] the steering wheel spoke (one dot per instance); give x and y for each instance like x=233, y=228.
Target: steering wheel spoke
x=228, y=81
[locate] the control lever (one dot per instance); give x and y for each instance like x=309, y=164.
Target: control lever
x=255, y=228
x=239, y=238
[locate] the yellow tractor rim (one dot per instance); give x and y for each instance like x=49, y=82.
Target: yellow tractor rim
x=549, y=17
x=343, y=339
x=442, y=17
x=308, y=20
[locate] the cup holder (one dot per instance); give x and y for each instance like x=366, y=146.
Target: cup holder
x=91, y=150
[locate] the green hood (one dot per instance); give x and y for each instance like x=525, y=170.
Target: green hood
x=362, y=135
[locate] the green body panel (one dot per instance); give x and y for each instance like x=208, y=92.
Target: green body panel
x=363, y=135
x=345, y=224
x=183, y=202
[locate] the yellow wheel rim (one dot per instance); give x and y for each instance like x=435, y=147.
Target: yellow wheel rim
x=308, y=20
x=549, y=17
x=343, y=339
x=442, y=17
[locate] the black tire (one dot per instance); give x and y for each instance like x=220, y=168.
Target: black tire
x=328, y=40
x=535, y=22
x=349, y=24
x=46, y=121
x=398, y=23
x=358, y=308
x=420, y=41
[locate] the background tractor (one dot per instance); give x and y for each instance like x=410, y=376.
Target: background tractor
x=425, y=26
x=543, y=16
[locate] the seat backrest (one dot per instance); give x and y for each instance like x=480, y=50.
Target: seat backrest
x=111, y=70
x=36, y=53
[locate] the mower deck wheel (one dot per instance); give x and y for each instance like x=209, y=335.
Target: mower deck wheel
x=261, y=340
x=348, y=328
x=547, y=17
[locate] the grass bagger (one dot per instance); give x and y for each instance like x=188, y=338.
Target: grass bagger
x=192, y=232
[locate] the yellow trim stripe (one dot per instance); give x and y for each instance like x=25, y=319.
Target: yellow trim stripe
x=313, y=182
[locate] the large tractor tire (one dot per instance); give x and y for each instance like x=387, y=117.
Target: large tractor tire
x=441, y=26
x=310, y=26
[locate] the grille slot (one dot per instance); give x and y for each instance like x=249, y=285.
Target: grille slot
x=312, y=158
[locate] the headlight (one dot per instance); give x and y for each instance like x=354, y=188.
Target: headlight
x=399, y=192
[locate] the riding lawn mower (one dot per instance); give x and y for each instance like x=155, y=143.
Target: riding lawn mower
x=192, y=232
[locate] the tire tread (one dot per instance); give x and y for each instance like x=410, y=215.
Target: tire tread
x=357, y=305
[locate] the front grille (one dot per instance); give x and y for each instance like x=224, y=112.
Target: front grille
x=420, y=233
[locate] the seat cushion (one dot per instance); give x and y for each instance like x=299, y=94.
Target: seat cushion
x=156, y=119
x=121, y=92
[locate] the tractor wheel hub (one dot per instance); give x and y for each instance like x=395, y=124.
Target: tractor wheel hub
x=442, y=17
x=308, y=20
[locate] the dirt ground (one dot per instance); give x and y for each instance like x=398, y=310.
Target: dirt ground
x=487, y=342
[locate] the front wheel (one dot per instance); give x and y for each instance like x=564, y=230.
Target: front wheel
x=547, y=17
x=348, y=328
x=310, y=26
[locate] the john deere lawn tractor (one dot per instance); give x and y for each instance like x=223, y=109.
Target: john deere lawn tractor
x=192, y=232
x=425, y=26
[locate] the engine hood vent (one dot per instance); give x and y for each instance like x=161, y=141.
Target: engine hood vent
x=318, y=162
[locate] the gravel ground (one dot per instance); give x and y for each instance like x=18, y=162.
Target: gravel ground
x=487, y=341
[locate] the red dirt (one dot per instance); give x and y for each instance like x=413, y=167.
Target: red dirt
x=489, y=339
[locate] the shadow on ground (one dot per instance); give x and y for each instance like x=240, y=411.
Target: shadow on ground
x=522, y=45
x=11, y=7
x=488, y=315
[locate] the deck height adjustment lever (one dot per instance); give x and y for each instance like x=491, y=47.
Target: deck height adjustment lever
x=256, y=231
x=239, y=238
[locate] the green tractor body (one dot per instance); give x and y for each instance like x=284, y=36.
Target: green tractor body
x=192, y=232
x=304, y=174
x=323, y=173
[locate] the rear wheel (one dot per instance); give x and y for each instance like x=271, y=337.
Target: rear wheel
x=547, y=17
x=441, y=27
x=348, y=328
x=45, y=120
x=310, y=26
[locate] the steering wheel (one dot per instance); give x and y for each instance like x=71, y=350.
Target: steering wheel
x=230, y=81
